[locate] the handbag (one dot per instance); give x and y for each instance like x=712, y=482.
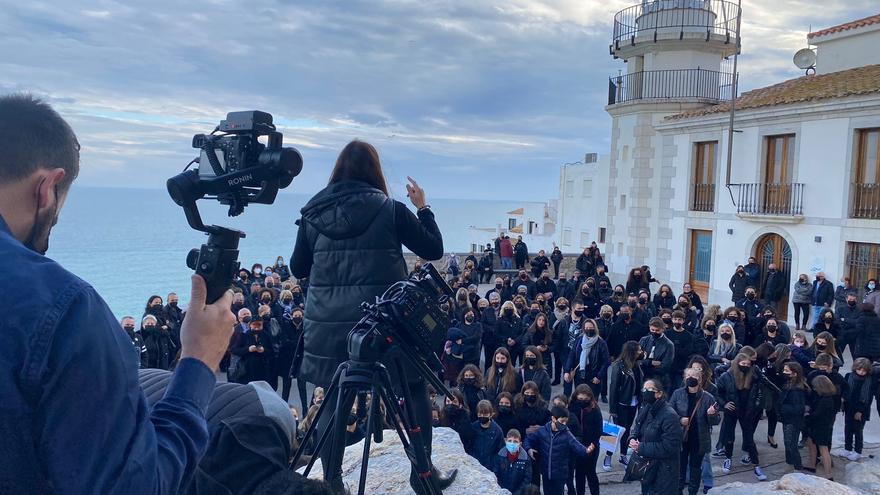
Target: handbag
x=637, y=467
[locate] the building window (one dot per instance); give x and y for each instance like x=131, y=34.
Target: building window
x=585, y=238
x=566, y=237
x=623, y=201
x=588, y=188
x=704, y=176
x=601, y=235
x=866, y=186
x=531, y=227
x=862, y=262
x=511, y=223
x=569, y=188
x=779, y=161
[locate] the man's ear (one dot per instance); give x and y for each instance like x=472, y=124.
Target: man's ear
x=46, y=187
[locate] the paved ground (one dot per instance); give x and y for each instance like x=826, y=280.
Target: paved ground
x=772, y=460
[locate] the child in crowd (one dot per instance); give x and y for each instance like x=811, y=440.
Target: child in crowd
x=512, y=465
x=470, y=382
x=488, y=437
x=553, y=446
x=791, y=404
x=857, y=407
x=317, y=396
x=505, y=418
x=820, y=424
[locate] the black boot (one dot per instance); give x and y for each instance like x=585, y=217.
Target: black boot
x=443, y=482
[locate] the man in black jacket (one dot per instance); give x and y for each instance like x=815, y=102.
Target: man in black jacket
x=738, y=283
x=683, y=340
x=868, y=328
x=658, y=353
x=823, y=296
x=540, y=264
x=848, y=315
x=521, y=253
x=524, y=280
x=556, y=258
x=774, y=286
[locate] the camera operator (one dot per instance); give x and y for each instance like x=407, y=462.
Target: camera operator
x=74, y=418
x=349, y=245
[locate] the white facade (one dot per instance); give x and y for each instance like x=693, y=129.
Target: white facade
x=534, y=221
x=846, y=49
x=687, y=229
x=583, y=204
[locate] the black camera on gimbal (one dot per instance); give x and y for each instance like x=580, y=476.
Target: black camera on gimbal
x=236, y=169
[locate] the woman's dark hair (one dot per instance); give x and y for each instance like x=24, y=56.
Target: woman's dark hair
x=539, y=359
x=150, y=300
x=708, y=374
x=503, y=395
x=359, y=161
x=519, y=401
x=584, y=389
x=629, y=355
x=478, y=375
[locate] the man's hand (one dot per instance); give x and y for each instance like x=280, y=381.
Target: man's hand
x=206, y=329
x=685, y=421
x=533, y=453
x=415, y=193
x=596, y=381
x=656, y=364
x=567, y=377
x=511, y=342
x=591, y=448
x=252, y=348
x=730, y=406
x=857, y=416
x=634, y=444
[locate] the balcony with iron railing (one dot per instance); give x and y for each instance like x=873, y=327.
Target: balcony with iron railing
x=762, y=200
x=703, y=198
x=865, y=201
x=658, y=20
x=705, y=86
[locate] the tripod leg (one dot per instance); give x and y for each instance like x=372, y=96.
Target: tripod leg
x=368, y=436
x=331, y=457
x=413, y=443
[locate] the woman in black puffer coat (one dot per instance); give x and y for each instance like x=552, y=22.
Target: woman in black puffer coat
x=657, y=437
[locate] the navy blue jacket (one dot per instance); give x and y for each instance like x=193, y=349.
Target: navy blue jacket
x=555, y=450
x=514, y=476
x=74, y=419
x=486, y=442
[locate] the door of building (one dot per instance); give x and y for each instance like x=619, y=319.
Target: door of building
x=778, y=171
x=773, y=248
x=700, y=262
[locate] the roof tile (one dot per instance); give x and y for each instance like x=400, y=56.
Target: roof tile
x=858, y=81
x=867, y=21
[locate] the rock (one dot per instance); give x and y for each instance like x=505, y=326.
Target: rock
x=864, y=476
x=388, y=471
x=790, y=484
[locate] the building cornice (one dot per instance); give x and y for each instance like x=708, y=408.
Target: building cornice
x=819, y=110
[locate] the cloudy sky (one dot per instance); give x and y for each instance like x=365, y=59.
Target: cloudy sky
x=474, y=98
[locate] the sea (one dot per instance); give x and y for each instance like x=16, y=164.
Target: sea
x=132, y=243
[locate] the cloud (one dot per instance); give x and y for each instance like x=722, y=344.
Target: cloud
x=453, y=92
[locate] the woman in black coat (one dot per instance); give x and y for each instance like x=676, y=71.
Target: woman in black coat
x=585, y=409
x=509, y=332
x=624, y=393
x=657, y=437
x=698, y=411
x=472, y=330
x=530, y=408
x=350, y=247
x=664, y=298
x=455, y=415
x=161, y=350
x=820, y=424
x=255, y=349
x=505, y=418
x=739, y=393
x=791, y=404
x=533, y=370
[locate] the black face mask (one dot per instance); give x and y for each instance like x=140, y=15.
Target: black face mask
x=297, y=319
x=469, y=381
x=173, y=304
x=504, y=409
x=750, y=296
x=499, y=286
x=606, y=316
x=523, y=276
x=579, y=312
x=649, y=397
x=501, y=366
x=128, y=328
x=469, y=318
x=744, y=369
x=531, y=399
x=619, y=292
x=656, y=335
x=667, y=321
x=677, y=325
x=626, y=316
x=484, y=420
x=733, y=318
x=710, y=329
x=821, y=347
x=590, y=284
x=726, y=336
x=692, y=382
x=287, y=300
x=508, y=312
x=246, y=319
x=591, y=333
x=643, y=301
x=535, y=312
x=631, y=304
x=531, y=361
x=771, y=329
x=149, y=327
x=267, y=317
x=851, y=304
x=562, y=308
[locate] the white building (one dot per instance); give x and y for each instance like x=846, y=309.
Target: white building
x=534, y=221
x=583, y=203
x=803, y=188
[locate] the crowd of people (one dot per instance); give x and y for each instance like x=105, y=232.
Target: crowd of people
x=671, y=368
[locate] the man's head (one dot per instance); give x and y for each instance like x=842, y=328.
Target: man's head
x=820, y=276
x=752, y=260
x=128, y=323
x=173, y=300
x=39, y=159
x=244, y=315
x=772, y=266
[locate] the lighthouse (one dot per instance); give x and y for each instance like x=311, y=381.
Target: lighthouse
x=677, y=56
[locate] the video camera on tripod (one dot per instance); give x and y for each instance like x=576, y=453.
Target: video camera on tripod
x=236, y=169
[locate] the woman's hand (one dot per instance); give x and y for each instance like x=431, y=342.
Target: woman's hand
x=415, y=193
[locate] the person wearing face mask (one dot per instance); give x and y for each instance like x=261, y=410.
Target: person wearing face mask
x=664, y=298
x=819, y=423
x=753, y=272
x=724, y=348
x=872, y=293
x=657, y=437
x=739, y=393
x=801, y=296
x=699, y=411
x=257, y=273
x=625, y=328
x=848, y=314
x=624, y=394
x=509, y=331
x=690, y=314
x=564, y=286
x=530, y=409
x=636, y=281
x=791, y=404
x=683, y=340
x=605, y=293
x=282, y=269
x=173, y=314
x=565, y=333
x=559, y=338
x=499, y=286
x=501, y=377
x=705, y=335
x=825, y=343
x=272, y=329
x=546, y=286
x=470, y=382
x=505, y=418
x=289, y=351
x=472, y=336
x=540, y=264
x=161, y=349
x=584, y=264
x=485, y=267
x=455, y=415
x=605, y=320
x=523, y=280
x=772, y=334
x=556, y=258
x=658, y=353
x=488, y=321
x=254, y=349
x=243, y=280
x=137, y=340
x=584, y=409
x=737, y=284
x=553, y=446
x=646, y=306
x=822, y=296
x=618, y=298
x=774, y=286
x=533, y=370
x=857, y=407
x=588, y=363
x=753, y=308
x=512, y=466
x=488, y=437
